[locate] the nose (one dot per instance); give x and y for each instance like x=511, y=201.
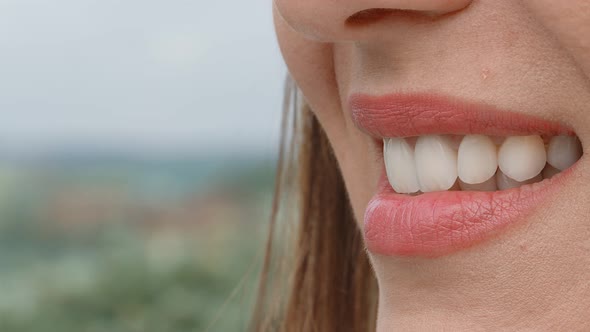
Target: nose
x=334, y=20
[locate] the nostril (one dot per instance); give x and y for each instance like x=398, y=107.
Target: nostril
x=373, y=15
x=369, y=16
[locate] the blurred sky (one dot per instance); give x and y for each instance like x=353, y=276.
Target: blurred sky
x=139, y=75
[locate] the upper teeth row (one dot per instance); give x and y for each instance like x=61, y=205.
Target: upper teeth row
x=435, y=163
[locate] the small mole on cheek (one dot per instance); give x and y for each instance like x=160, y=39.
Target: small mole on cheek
x=523, y=247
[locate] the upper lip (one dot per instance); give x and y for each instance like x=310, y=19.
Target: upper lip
x=405, y=115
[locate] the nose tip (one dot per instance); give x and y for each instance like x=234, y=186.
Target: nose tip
x=333, y=20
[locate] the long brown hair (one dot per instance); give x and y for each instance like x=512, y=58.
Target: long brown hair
x=316, y=275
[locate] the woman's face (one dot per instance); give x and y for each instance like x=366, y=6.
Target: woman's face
x=471, y=85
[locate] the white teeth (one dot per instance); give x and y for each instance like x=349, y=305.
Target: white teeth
x=436, y=163
x=504, y=182
x=522, y=157
x=474, y=162
x=477, y=159
x=400, y=165
x=563, y=151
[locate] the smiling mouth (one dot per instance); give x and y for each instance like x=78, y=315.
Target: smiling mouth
x=456, y=173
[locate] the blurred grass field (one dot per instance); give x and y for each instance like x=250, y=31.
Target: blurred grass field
x=113, y=244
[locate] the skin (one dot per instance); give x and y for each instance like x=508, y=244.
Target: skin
x=527, y=56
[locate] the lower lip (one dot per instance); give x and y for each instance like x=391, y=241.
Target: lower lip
x=440, y=223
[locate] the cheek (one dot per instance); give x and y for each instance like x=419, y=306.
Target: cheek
x=302, y=15
x=361, y=167
x=568, y=21
x=311, y=64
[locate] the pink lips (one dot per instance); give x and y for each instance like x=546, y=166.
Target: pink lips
x=439, y=223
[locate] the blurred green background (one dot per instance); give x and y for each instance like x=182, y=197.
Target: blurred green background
x=137, y=152
x=108, y=244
